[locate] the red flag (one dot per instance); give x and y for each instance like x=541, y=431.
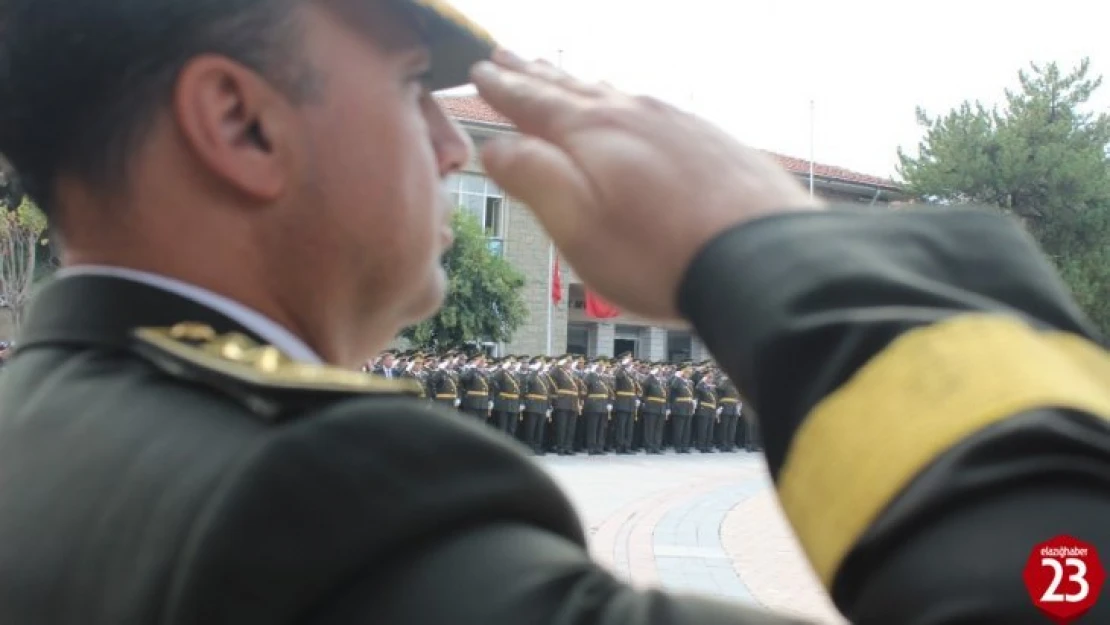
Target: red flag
x=556, y=283
x=598, y=308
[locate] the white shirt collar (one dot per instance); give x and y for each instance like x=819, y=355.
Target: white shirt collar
x=267, y=329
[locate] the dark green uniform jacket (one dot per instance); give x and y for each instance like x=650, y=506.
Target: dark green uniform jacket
x=933, y=405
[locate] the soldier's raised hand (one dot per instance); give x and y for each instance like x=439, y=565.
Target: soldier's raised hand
x=628, y=187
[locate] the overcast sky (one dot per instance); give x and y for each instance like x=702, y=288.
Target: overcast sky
x=753, y=66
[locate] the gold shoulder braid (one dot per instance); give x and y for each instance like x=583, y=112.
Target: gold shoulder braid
x=261, y=376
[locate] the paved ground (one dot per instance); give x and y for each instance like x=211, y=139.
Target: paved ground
x=703, y=523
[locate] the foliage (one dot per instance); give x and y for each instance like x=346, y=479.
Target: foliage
x=1042, y=157
x=21, y=230
x=484, y=301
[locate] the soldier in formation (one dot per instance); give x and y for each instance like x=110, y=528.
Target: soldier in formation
x=571, y=404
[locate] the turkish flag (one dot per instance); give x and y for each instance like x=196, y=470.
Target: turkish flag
x=598, y=308
x=556, y=283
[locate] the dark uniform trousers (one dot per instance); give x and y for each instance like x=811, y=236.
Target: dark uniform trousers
x=595, y=413
x=681, y=431
x=505, y=391
x=565, y=411
x=651, y=413
x=533, y=430
x=622, y=431
x=564, y=430
x=536, y=403
x=752, y=439
x=703, y=427
x=503, y=420
x=624, y=406
x=595, y=430
x=153, y=476
x=681, y=416
x=726, y=441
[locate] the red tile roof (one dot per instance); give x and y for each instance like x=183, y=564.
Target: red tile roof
x=472, y=108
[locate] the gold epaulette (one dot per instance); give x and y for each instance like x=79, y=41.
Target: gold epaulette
x=261, y=376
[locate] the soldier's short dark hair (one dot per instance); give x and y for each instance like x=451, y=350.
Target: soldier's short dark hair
x=81, y=80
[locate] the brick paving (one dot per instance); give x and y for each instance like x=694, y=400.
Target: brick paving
x=706, y=524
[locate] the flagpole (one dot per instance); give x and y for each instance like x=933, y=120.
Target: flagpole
x=551, y=278
x=812, y=123
x=550, y=296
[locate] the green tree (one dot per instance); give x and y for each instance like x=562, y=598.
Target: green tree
x=1041, y=157
x=21, y=237
x=484, y=301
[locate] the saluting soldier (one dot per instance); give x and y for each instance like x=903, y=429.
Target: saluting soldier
x=682, y=409
x=505, y=389
x=519, y=371
x=444, y=388
x=577, y=432
x=634, y=422
x=625, y=401
x=653, y=410
x=177, y=144
x=537, y=405
x=566, y=406
x=594, y=409
x=728, y=401
x=414, y=371
x=474, y=388
x=705, y=414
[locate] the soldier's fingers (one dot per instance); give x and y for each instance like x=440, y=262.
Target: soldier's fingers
x=544, y=69
x=537, y=107
x=544, y=178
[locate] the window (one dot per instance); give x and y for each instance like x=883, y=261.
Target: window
x=482, y=198
x=679, y=346
x=578, y=338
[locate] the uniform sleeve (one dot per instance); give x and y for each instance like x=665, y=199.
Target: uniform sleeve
x=511, y=574
x=395, y=513
x=933, y=403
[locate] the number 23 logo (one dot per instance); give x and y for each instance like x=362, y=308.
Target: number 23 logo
x=1079, y=576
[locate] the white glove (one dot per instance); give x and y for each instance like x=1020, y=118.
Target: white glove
x=719, y=411
x=458, y=402
x=522, y=407
x=490, y=406
x=609, y=407
x=668, y=412
x=549, y=412
x=638, y=403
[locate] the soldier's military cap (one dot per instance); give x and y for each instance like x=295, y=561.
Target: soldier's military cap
x=456, y=43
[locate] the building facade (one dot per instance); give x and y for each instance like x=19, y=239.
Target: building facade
x=514, y=233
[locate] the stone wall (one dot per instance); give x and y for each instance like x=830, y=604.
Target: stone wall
x=527, y=247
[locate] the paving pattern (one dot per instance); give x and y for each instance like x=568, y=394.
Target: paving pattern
x=701, y=523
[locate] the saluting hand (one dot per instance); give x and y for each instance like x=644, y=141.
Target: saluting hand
x=629, y=188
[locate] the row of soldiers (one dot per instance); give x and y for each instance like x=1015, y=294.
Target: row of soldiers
x=568, y=404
